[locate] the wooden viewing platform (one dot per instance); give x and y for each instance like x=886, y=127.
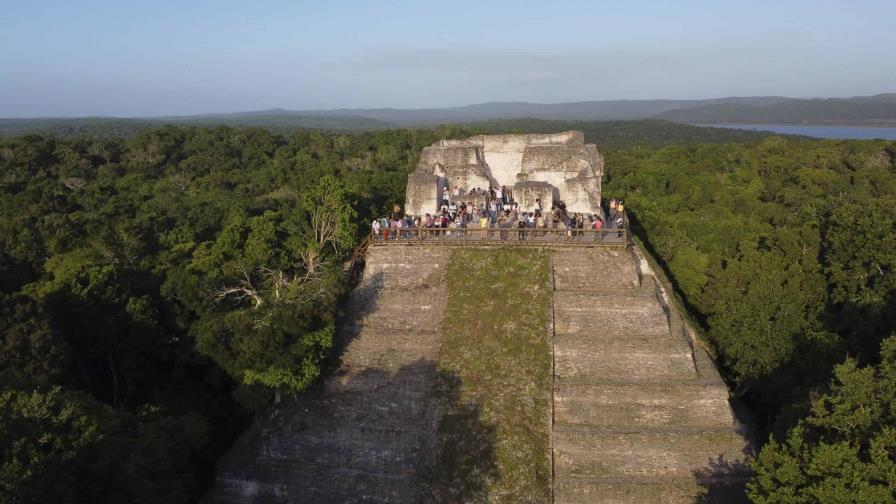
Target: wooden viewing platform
x=505, y=237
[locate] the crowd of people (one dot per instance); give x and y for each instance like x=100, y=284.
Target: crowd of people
x=495, y=208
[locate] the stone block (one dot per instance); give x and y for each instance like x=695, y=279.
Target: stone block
x=424, y=193
x=526, y=192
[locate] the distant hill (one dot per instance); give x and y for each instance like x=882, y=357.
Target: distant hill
x=65, y=127
x=582, y=111
x=279, y=118
x=373, y=119
x=877, y=110
x=621, y=134
x=873, y=110
x=125, y=127
x=606, y=134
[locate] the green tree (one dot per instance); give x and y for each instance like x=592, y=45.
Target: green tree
x=42, y=436
x=845, y=450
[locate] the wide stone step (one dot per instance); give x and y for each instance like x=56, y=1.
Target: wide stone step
x=284, y=483
x=408, y=311
x=598, y=270
x=618, y=343
x=568, y=279
x=403, y=268
x=649, y=405
x=391, y=358
x=649, y=491
x=601, y=329
x=397, y=404
x=610, y=320
x=395, y=450
x=373, y=348
x=578, y=362
x=678, y=452
x=417, y=375
x=641, y=300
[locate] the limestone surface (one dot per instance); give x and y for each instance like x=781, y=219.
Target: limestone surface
x=553, y=167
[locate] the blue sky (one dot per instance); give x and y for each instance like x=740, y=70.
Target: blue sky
x=136, y=58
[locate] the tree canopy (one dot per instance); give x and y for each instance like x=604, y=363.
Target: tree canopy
x=156, y=290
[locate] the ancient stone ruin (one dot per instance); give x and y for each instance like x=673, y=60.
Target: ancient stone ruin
x=637, y=411
x=551, y=167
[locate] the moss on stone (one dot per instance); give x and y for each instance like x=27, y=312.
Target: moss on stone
x=495, y=351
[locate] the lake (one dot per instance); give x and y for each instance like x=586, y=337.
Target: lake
x=837, y=132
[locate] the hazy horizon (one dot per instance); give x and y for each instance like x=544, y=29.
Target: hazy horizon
x=102, y=58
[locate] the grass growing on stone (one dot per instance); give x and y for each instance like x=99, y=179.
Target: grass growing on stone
x=495, y=360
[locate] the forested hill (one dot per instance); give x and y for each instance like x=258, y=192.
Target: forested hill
x=155, y=290
x=878, y=110
x=621, y=134
x=603, y=133
x=109, y=127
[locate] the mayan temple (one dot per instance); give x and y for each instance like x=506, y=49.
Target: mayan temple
x=635, y=410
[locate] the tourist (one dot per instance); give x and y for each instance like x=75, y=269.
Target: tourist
x=521, y=226
x=375, y=226
x=384, y=224
x=597, y=225
x=539, y=222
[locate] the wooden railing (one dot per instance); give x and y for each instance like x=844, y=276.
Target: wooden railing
x=501, y=236
x=355, y=266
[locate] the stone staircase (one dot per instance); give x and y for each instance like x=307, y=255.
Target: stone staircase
x=639, y=417
x=366, y=433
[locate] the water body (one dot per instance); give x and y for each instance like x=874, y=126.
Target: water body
x=836, y=132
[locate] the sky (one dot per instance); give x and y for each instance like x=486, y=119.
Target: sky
x=126, y=58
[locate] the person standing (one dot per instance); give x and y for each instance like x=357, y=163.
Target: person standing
x=385, y=228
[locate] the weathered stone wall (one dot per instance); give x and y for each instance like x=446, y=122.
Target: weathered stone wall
x=485, y=160
x=461, y=166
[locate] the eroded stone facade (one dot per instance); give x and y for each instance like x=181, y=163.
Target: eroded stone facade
x=553, y=167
